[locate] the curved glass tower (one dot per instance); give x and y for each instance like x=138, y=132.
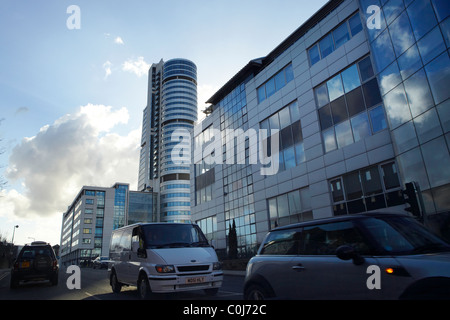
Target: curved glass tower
x=172, y=104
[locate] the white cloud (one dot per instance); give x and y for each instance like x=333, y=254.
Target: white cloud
x=107, y=67
x=119, y=40
x=139, y=67
x=74, y=151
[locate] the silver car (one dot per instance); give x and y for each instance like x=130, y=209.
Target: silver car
x=362, y=256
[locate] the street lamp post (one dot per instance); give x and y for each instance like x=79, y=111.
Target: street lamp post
x=14, y=231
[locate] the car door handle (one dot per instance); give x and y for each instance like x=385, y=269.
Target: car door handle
x=298, y=267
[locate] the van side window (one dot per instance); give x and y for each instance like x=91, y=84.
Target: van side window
x=282, y=242
x=115, y=241
x=324, y=239
x=125, y=241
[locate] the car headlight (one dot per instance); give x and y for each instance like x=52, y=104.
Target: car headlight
x=217, y=266
x=165, y=268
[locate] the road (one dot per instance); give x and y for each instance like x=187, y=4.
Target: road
x=95, y=286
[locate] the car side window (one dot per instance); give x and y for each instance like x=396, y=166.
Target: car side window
x=324, y=239
x=282, y=242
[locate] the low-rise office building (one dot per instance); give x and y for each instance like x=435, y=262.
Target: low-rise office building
x=358, y=97
x=96, y=211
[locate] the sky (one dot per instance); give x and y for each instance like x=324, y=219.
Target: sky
x=73, y=85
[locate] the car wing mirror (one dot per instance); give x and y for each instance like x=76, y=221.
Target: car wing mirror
x=347, y=252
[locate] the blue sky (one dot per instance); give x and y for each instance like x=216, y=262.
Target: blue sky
x=71, y=101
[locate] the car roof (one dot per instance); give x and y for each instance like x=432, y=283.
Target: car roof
x=347, y=217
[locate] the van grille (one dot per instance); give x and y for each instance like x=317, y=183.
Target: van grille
x=193, y=268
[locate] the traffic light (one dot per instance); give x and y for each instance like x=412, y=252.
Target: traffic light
x=412, y=200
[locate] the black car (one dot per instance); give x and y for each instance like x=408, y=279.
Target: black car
x=35, y=262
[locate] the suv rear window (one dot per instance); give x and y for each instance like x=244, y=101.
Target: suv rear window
x=32, y=252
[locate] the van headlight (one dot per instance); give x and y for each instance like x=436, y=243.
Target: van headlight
x=165, y=268
x=217, y=266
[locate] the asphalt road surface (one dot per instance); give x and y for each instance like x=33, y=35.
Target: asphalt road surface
x=95, y=286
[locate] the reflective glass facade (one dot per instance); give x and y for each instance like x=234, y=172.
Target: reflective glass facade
x=411, y=58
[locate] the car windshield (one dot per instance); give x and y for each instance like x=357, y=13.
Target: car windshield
x=403, y=235
x=173, y=236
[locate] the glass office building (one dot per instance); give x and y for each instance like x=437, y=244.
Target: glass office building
x=172, y=105
x=360, y=101
x=96, y=211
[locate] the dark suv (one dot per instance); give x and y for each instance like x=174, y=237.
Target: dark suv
x=35, y=262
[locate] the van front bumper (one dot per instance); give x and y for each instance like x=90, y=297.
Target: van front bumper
x=176, y=282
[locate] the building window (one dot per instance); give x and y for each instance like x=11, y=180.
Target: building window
x=87, y=231
x=350, y=106
x=287, y=120
x=367, y=189
x=275, y=83
x=334, y=39
x=208, y=226
x=288, y=208
x=89, y=201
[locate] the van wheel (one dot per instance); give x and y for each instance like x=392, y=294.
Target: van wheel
x=143, y=287
x=115, y=284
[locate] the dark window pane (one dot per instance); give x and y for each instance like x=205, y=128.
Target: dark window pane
x=356, y=206
x=365, y=68
x=404, y=137
x=375, y=202
x=261, y=93
x=390, y=176
x=371, y=93
x=394, y=198
x=350, y=78
x=378, y=119
x=355, y=24
x=297, y=132
x=326, y=46
x=355, y=101
x=337, y=191
x=339, y=110
x=321, y=95
x=340, y=35
x=270, y=87
x=445, y=28
x=371, y=181
x=314, y=55
x=427, y=126
x=392, y=9
x=422, y=17
x=286, y=138
x=340, y=209
x=289, y=158
x=352, y=184
x=438, y=73
x=444, y=115
x=325, y=117
x=289, y=73
x=436, y=158
x=431, y=45
x=442, y=9
x=280, y=81
x=300, y=153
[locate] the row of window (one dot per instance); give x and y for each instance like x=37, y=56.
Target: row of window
x=367, y=189
x=275, y=83
x=334, y=39
x=289, y=208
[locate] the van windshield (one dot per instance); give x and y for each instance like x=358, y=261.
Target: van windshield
x=173, y=236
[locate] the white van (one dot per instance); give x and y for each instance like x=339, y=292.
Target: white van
x=163, y=257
